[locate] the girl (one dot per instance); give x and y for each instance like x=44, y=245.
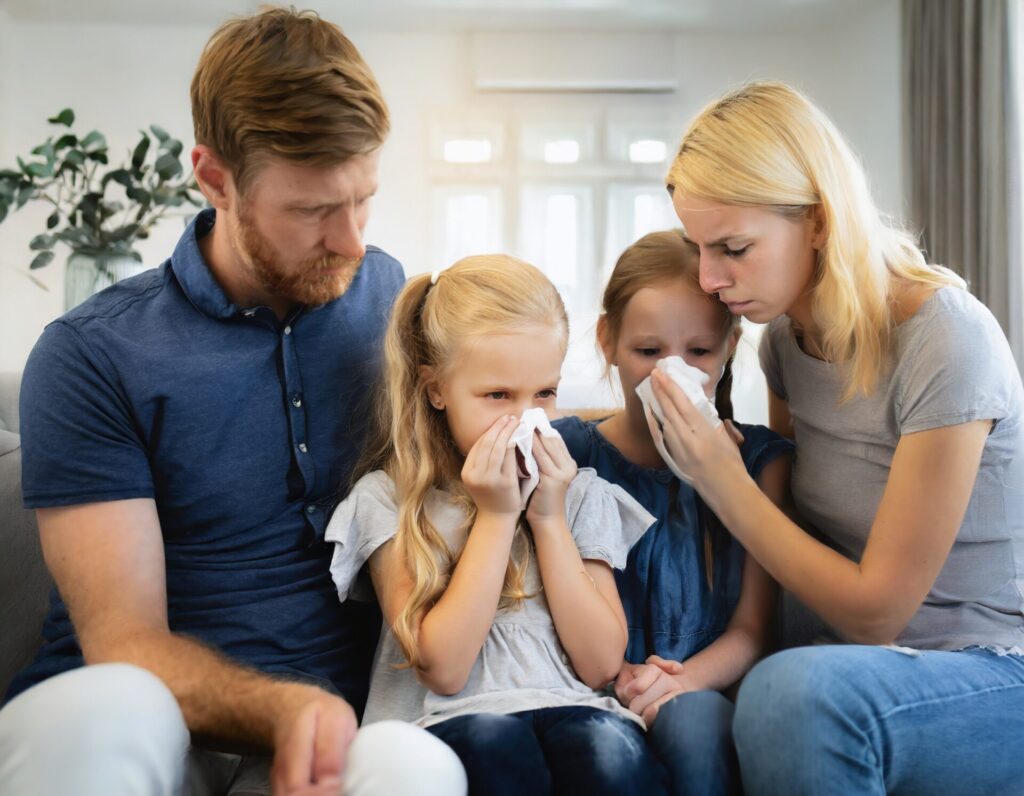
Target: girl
x=499, y=624
x=906, y=407
x=698, y=611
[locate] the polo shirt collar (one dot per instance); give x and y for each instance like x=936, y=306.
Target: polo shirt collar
x=193, y=273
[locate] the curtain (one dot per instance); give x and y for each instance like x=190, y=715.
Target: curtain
x=962, y=145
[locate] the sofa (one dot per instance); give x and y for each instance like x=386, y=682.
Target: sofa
x=24, y=580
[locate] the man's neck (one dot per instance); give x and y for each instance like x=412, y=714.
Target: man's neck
x=234, y=278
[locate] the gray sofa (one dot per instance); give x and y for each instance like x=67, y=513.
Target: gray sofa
x=24, y=580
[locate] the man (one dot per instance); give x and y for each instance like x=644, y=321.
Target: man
x=185, y=434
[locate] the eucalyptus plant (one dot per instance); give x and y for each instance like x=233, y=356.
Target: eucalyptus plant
x=71, y=174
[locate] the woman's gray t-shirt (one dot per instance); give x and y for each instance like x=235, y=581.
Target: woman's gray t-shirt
x=951, y=365
x=522, y=665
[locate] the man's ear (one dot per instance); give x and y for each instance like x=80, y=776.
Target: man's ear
x=819, y=227
x=213, y=177
x=603, y=341
x=431, y=386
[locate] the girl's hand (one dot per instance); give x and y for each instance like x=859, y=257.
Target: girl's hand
x=645, y=687
x=489, y=473
x=556, y=469
x=706, y=454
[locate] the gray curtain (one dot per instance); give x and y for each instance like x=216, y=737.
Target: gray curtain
x=962, y=148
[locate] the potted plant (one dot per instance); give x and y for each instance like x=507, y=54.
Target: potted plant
x=98, y=211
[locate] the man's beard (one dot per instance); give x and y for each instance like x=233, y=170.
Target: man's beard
x=308, y=283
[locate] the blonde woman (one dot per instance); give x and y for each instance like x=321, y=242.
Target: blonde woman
x=501, y=622
x=902, y=396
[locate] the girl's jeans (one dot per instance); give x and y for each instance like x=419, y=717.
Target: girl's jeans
x=845, y=719
x=570, y=751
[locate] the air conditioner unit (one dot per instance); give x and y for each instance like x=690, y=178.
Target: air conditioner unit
x=631, y=63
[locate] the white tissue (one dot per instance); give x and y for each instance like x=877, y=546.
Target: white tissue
x=522, y=439
x=691, y=381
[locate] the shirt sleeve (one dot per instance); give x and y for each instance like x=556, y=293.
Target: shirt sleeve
x=80, y=442
x=363, y=521
x=957, y=368
x=761, y=446
x=604, y=520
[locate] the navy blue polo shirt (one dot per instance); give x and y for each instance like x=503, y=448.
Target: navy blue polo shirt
x=241, y=427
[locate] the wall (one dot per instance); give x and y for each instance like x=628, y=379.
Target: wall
x=119, y=78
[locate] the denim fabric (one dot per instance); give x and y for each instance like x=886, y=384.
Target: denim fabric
x=570, y=751
x=692, y=736
x=241, y=427
x=844, y=719
x=670, y=609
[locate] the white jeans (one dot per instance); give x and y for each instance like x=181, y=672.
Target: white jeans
x=117, y=729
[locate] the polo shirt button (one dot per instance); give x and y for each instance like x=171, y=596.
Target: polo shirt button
x=287, y=329
x=296, y=401
x=303, y=448
x=311, y=509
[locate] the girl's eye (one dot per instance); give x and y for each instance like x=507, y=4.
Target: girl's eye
x=700, y=352
x=545, y=395
x=736, y=252
x=497, y=395
x=648, y=352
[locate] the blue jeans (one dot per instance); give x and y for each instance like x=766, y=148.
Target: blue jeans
x=868, y=720
x=566, y=750
x=692, y=737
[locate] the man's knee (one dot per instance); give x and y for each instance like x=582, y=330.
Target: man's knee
x=395, y=757
x=113, y=724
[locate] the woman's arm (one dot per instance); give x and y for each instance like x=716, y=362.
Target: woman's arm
x=929, y=486
x=582, y=595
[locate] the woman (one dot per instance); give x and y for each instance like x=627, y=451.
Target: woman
x=905, y=404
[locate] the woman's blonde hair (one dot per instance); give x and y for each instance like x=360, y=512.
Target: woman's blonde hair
x=411, y=442
x=766, y=145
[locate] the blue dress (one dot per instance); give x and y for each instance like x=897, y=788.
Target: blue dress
x=670, y=608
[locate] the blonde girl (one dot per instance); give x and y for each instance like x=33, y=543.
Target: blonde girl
x=500, y=622
x=901, y=393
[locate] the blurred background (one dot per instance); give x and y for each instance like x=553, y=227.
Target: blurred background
x=542, y=128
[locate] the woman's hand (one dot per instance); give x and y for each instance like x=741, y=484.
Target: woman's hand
x=706, y=454
x=489, y=473
x=556, y=469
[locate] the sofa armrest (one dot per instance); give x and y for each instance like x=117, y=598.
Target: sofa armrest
x=24, y=580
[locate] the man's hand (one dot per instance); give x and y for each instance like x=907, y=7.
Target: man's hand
x=311, y=741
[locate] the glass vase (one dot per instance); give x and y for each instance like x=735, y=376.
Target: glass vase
x=87, y=274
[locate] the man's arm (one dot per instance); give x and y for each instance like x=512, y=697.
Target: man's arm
x=108, y=563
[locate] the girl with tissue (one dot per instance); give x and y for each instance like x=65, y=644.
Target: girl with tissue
x=698, y=609
x=491, y=555
x=906, y=406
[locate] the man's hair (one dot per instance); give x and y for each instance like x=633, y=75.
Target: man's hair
x=285, y=83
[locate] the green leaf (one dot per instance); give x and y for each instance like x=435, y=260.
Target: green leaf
x=65, y=141
x=65, y=117
x=46, y=150
x=120, y=176
x=76, y=157
x=99, y=157
x=139, y=195
x=94, y=142
x=25, y=192
x=173, y=146
x=159, y=132
x=40, y=169
x=141, y=150
x=42, y=242
x=3, y=210
x=167, y=166
x=53, y=220
x=127, y=232
x=7, y=174
x=41, y=259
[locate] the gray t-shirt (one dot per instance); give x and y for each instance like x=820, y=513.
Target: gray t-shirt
x=522, y=665
x=951, y=365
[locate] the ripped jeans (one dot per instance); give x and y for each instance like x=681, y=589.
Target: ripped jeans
x=565, y=750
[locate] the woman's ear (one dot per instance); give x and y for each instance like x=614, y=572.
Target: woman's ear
x=432, y=388
x=603, y=341
x=819, y=227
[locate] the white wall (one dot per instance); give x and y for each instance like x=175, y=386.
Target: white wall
x=120, y=78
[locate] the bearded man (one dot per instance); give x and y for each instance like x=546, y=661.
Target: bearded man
x=185, y=435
